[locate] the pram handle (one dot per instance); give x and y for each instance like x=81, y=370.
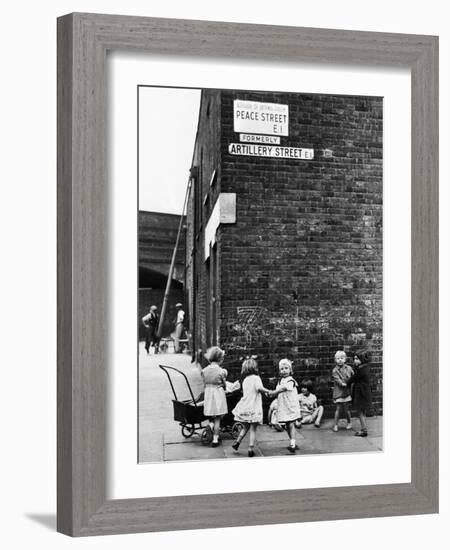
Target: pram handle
x=164, y=368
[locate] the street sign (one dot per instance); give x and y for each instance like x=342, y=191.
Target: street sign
x=270, y=151
x=256, y=117
x=252, y=138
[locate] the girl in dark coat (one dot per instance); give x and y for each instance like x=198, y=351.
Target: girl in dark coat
x=361, y=393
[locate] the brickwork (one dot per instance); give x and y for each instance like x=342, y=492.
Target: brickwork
x=205, y=188
x=305, y=228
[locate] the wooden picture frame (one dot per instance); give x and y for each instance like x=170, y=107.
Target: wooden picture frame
x=83, y=41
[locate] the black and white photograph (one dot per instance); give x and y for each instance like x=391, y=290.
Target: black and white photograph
x=260, y=250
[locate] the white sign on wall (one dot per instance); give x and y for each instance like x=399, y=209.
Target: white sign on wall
x=255, y=138
x=271, y=151
x=255, y=117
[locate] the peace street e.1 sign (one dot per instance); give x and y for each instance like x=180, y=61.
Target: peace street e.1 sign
x=267, y=120
x=255, y=117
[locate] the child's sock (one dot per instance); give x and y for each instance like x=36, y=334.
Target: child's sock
x=292, y=442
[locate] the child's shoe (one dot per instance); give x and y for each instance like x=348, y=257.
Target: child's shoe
x=251, y=453
x=235, y=445
x=335, y=428
x=292, y=448
x=362, y=433
x=316, y=425
x=349, y=426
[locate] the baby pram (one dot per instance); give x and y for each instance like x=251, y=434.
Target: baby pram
x=227, y=423
x=189, y=412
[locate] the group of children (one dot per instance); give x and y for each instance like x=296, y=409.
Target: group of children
x=290, y=409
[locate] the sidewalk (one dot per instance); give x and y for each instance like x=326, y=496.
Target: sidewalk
x=160, y=437
x=310, y=440
x=155, y=409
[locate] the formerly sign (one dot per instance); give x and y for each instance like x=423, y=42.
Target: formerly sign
x=255, y=117
x=252, y=138
x=271, y=151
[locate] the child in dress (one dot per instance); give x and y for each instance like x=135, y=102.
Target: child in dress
x=249, y=409
x=288, y=409
x=341, y=389
x=361, y=392
x=215, y=402
x=310, y=411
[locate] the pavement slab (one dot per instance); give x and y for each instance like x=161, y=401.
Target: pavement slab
x=377, y=442
x=178, y=451
x=336, y=445
x=276, y=448
x=177, y=437
x=152, y=448
x=242, y=451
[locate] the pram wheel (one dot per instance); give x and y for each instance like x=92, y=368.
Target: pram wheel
x=236, y=429
x=187, y=431
x=207, y=435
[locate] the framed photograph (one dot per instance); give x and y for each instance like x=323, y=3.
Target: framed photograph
x=247, y=274
x=219, y=169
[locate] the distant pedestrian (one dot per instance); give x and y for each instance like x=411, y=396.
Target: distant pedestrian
x=150, y=322
x=215, y=402
x=249, y=409
x=179, y=327
x=288, y=409
x=361, y=392
x=341, y=389
x=310, y=410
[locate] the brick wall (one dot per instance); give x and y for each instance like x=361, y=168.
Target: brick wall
x=205, y=181
x=310, y=227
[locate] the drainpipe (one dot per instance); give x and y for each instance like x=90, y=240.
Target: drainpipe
x=172, y=264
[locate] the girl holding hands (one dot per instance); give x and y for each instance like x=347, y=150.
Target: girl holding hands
x=249, y=409
x=214, y=378
x=288, y=408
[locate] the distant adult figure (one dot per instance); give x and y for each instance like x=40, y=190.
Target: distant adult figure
x=150, y=322
x=179, y=327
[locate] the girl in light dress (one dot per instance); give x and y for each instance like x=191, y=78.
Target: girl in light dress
x=249, y=409
x=215, y=402
x=288, y=408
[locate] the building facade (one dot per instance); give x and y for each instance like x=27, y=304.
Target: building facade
x=284, y=231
